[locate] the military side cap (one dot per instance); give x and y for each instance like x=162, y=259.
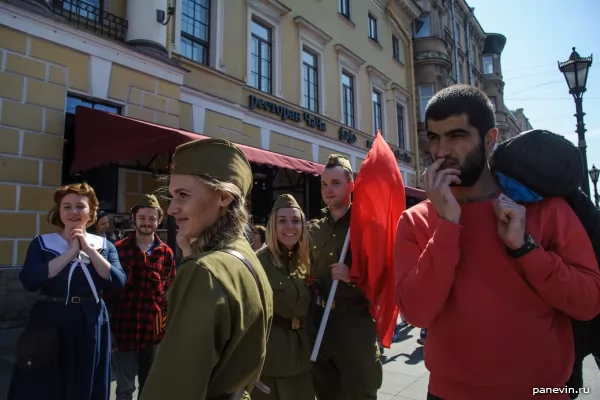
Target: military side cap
x=148, y=200
x=338, y=160
x=217, y=158
x=285, y=201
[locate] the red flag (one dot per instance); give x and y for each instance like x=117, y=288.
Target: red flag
x=378, y=202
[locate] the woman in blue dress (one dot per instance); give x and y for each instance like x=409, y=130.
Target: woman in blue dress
x=64, y=353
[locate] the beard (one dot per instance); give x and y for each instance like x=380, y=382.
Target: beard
x=144, y=230
x=471, y=168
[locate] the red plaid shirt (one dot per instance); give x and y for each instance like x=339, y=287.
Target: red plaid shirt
x=138, y=312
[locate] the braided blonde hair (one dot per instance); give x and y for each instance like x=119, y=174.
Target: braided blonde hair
x=229, y=227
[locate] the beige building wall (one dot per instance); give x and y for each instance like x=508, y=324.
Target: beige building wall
x=43, y=60
x=34, y=83
x=36, y=75
x=318, y=26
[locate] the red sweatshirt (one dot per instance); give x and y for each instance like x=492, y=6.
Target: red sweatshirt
x=497, y=327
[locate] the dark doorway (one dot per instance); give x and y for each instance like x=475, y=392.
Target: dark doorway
x=271, y=182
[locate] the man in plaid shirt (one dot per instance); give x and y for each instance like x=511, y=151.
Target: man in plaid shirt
x=138, y=312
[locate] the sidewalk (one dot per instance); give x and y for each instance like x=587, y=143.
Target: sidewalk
x=406, y=378
x=404, y=374
x=7, y=358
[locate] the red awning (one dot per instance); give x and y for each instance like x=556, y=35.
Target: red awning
x=102, y=138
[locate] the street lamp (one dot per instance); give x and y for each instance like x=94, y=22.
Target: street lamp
x=576, y=70
x=594, y=173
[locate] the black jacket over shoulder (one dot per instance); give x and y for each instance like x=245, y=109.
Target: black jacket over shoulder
x=551, y=166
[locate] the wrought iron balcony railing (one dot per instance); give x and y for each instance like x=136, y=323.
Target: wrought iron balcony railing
x=89, y=16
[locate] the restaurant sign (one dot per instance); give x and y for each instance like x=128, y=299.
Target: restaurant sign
x=346, y=135
x=399, y=154
x=286, y=113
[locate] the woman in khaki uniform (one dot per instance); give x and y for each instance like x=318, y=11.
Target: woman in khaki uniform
x=220, y=303
x=285, y=260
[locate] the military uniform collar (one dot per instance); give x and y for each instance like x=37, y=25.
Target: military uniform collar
x=286, y=254
x=329, y=218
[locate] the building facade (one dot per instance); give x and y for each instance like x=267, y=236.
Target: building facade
x=451, y=47
x=286, y=78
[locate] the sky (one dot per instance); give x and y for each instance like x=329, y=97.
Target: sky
x=538, y=34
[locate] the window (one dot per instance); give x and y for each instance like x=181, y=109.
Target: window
x=349, y=67
x=493, y=101
x=102, y=179
x=261, y=56
x=422, y=28
x=425, y=94
x=312, y=47
x=488, y=65
x=348, y=100
x=90, y=9
x=345, y=8
x=310, y=80
x=396, y=49
x=73, y=102
x=373, y=28
x=195, y=30
x=400, y=126
x=377, y=112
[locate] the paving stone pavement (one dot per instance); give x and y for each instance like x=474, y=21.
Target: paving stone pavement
x=406, y=378
x=404, y=374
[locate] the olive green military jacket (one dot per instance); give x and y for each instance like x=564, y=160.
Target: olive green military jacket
x=288, y=351
x=326, y=243
x=217, y=329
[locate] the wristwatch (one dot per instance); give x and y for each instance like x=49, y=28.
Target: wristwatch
x=530, y=245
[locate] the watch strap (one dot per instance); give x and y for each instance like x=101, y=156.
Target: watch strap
x=529, y=245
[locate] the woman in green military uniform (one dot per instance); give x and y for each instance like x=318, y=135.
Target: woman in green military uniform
x=286, y=261
x=220, y=303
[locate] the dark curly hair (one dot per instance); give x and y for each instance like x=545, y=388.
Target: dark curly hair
x=463, y=99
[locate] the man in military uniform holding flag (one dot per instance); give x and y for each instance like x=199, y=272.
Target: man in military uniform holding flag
x=348, y=365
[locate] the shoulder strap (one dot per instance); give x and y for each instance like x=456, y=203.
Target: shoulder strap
x=259, y=385
x=243, y=259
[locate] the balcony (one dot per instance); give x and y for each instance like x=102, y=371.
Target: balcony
x=431, y=49
x=84, y=15
x=494, y=43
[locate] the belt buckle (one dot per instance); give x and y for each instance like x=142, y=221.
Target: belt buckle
x=75, y=299
x=295, y=323
x=324, y=304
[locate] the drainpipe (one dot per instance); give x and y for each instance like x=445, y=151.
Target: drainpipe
x=412, y=90
x=455, y=42
x=469, y=54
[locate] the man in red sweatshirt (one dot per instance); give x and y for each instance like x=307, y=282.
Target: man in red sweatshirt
x=495, y=282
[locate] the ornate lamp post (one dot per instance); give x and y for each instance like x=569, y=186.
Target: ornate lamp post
x=576, y=70
x=594, y=174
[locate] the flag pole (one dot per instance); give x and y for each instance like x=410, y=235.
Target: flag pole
x=329, y=304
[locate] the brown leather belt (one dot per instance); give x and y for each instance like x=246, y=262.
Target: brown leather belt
x=72, y=299
x=291, y=323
